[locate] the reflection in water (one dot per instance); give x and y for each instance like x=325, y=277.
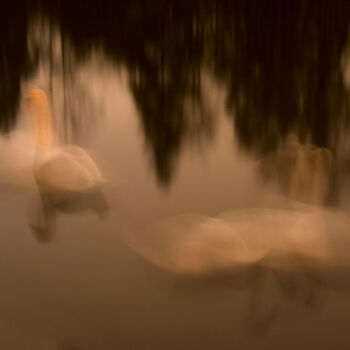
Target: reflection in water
x=77, y=107
x=14, y=62
x=44, y=206
x=268, y=290
x=170, y=97
x=287, y=77
x=303, y=172
x=291, y=254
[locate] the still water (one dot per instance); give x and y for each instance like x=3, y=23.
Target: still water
x=174, y=175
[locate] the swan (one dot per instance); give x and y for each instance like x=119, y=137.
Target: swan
x=59, y=177
x=58, y=167
x=281, y=236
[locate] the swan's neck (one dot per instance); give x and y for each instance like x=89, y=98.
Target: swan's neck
x=41, y=118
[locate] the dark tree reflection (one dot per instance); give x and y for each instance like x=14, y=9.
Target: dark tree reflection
x=163, y=51
x=14, y=60
x=281, y=63
x=279, y=60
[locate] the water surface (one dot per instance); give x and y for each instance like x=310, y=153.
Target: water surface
x=179, y=104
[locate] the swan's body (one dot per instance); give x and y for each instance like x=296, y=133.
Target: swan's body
x=197, y=244
x=67, y=168
x=57, y=167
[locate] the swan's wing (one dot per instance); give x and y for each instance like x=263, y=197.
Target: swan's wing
x=85, y=160
x=60, y=171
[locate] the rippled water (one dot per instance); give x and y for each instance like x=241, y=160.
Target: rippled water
x=221, y=131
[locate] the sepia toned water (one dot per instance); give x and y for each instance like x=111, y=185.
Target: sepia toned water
x=174, y=175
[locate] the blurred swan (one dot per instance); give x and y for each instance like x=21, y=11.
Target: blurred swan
x=287, y=236
x=67, y=177
x=66, y=167
x=195, y=244
x=303, y=172
x=59, y=177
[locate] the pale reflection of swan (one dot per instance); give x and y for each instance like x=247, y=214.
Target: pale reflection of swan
x=67, y=178
x=303, y=172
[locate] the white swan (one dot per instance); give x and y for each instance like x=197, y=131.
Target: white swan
x=196, y=244
x=59, y=177
x=58, y=168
